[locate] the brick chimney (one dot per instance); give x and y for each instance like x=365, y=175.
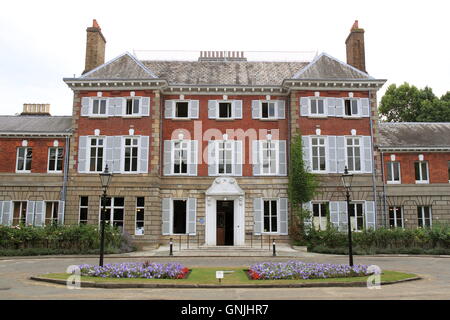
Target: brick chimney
x=355, y=47
x=95, y=47
x=36, y=109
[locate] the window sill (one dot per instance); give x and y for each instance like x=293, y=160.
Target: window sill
x=272, y=119
x=131, y=116
x=98, y=117
x=23, y=171
x=317, y=117
x=352, y=117
x=422, y=182
x=393, y=182
x=224, y=119
x=182, y=119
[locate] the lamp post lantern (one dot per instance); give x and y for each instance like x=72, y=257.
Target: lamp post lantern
x=105, y=178
x=347, y=182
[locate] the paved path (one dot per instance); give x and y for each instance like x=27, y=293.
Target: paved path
x=14, y=282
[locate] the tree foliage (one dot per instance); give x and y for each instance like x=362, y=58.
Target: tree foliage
x=407, y=103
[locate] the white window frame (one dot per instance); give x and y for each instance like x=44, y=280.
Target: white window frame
x=89, y=152
x=83, y=207
x=355, y=203
x=136, y=220
x=56, y=160
x=421, y=172
x=217, y=156
x=396, y=217
x=361, y=151
x=325, y=145
x=277, y=159
x=133, y=114
x=91, y=107
x=111, y=208
x=232, y=117
x=317, y=114
x=174, y=109
x=24, y=160
x=358, y=107
x=138, y=145
x=52, y=219
x=172, y=208
x=270, y=220
x=422, y=216
x=391, y=165
x=322, y=215
x=275, y=116
x=172, y=157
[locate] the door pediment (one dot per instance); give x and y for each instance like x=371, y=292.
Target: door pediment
x=224, y=186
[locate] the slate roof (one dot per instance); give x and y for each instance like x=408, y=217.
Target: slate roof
x=35, y=124
x=326, y=67
x=414, y=134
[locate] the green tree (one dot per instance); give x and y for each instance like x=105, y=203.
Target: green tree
x=407, y=103
x=302, y=184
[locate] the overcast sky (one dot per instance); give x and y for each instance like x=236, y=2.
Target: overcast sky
x=43, y=41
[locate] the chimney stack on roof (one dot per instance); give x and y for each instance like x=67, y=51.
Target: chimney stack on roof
x=355, y=47
x=95, y=47
x=221, y=56
x=36, y=109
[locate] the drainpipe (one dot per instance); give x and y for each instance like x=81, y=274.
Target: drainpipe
x=66, y=174
x=374, y=185
x=384, y=190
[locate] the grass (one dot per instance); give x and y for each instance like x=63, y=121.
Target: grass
x=208, y=276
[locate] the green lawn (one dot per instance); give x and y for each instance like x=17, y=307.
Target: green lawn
x=208, y=276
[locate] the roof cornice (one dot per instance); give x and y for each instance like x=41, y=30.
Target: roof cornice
x=34, y=134
x=414, y=149
x=334, y=84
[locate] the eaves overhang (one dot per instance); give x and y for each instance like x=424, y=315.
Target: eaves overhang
x=334, y=84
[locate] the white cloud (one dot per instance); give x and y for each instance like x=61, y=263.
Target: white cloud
x=405, y=40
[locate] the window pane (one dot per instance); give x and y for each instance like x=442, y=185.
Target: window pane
x=320, y=111
x=389, y=171
x=264, y=110
x=182, y=109
x=424, y=171
x=179, y=216
x=417, y=171
x=136, y=106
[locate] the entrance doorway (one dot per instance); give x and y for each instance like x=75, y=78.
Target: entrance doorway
x=225, y=223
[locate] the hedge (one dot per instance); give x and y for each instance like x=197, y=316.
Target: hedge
x=58, y=239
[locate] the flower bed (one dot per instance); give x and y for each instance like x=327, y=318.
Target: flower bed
x=301, y=270
x=145, y=270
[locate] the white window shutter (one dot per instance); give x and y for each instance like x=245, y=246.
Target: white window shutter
x=192, y=215
x=334, y=213
x=281, y=105
x=166, y=215
x=110, y=107
x=340, y=154
x=120, y=106
x=145, y=106
x=284, y=216
x=192, y=166
x=282, y=157
x=306, y=142
x=109, y=153
x=212, y=159
x=39, y=215
x=83, y=153
x=331, y=106
x=237, y=109
x=365, y=106
x=6, y=213
x=256, y=112
x=212, y=109
x=193, y=109
x=343, y=219
x=258, y=216
x=61, y=210
x=85, y=103
x=167, y=167
x=367, y=151
x=143, y=149
x=256, y=161
x=339, y=107
x=237, y=158
x=331, y=161
x=169, y=105
x=370, y=214
x=29, y=219
x=117, y=153
x=304, y=106
x=307, y=206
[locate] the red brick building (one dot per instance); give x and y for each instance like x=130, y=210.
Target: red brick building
x=200, y=149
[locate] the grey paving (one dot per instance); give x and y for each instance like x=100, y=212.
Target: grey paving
x=14, y=282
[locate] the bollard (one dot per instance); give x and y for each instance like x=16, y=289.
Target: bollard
x=171, y=247
x=274, y=249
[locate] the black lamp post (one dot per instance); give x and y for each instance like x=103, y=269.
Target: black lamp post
x=347, y=182
x=105, y=178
